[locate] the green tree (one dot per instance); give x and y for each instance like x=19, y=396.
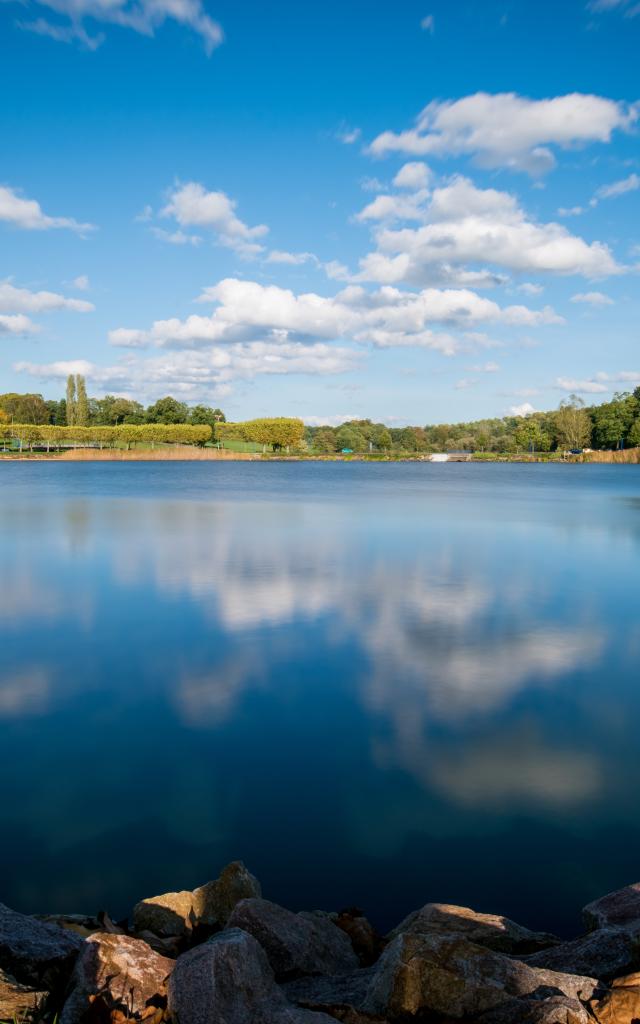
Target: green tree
x=324, y=440
x=351, y=437
x=82, y=402
x=204, y=415
x=167, y=410
x=381, y=438
x=27, y=408
x=573, y=425
x=633, y=437
x=72, y=405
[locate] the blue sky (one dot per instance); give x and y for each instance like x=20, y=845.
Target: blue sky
x=418, y=212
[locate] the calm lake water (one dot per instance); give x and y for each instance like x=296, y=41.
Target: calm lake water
x=377, y=684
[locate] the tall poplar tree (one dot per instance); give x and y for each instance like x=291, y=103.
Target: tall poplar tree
x=82, y=403
x=71, y=401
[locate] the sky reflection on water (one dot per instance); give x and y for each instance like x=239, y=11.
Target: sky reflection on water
x=376, y=684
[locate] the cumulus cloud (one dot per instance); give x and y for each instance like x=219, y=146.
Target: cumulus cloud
x=467, y=225
x=618, y=188
x=507, y=130
x=530, y=288
x=191, y=205
x=525, y=409
x=585, y=387
x=592, y=298
x=142, y=16
x=415, y=174
x=21, y=300
x=294, y=259
x=16, y=325
x=330, y=421
x=29, y=215
x=247, y=311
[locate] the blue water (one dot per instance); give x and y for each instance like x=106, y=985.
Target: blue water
x=377, y=684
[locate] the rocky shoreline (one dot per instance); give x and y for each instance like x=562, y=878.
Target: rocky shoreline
x=222, y=954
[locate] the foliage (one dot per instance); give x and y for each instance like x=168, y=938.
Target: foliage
x=28, y=435
x=278, y=433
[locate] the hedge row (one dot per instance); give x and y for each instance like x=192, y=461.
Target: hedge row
x=105, y=437
x=281, y=432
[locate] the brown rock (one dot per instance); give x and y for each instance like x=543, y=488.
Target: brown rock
x=116, y=979
x=209, y=906
x=620, y=909
x=490, y=930
x=228, y=980
x=555, y=1010
x=16, y=1000
x=604, y=954
x=366, y=941
x=36, y=953
x=621, y=1004
x=295, y=944
x=444, y=974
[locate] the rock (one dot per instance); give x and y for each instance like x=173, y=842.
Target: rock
x=621, y=1004
x=620, y=909
x=34, y=952
x=490, y=930
x=209, y=906
x=214, y=902
x=340, y=996
x=555, y=1010
x=16, y=1000
x=119, y=978
x=366, y=941
x=228, y=980
x=445, y=974
x=606, y=953
x=295, y=944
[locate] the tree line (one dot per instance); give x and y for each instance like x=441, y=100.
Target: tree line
x=48, y=435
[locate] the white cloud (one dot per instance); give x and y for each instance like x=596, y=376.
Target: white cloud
x=176, y=237
x=623, y=377
x=467, y=225
x=592, y=298
x=16, y=325
x=192, y=206
x=348, y=135
x=330, y=421
x=521, y=410
x=507, y=130
x=415, y=174
x=247, y=310
x=465, y=383
x=630, y=8
x=21, y=300
x=294, y=259
x=489, y=367
x=28, y=214
x=428, y=24
x=142, y=16
x=570, y=211
x=618, y=188
x=529, y=288
x=585, y=387
x=81, y=283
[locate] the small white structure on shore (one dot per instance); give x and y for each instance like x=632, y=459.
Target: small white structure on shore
x=440, y=457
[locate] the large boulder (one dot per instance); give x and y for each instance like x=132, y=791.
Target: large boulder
x=606, y=953
x=118, y=978
x=444, y=974
x=490, y=930
x=34, y=952
x=341, y=996
x=228, y=980
x=295, y=944
x=621, y=1004
x=209, y=906
x=619, y=909
x=18, y=1001
x=554, y=1010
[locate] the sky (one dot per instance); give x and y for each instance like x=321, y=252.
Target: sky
x=419, y=212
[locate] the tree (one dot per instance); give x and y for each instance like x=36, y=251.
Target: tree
x=529, y=436
x=82, y=402
x=380, y=437
x=351, y=437
x=324, y=440
x=204, y=415
x=612, y=421
x=633, y=437
x=573, y=426
x=167, y=410
x=24, y=408
x=71, y=401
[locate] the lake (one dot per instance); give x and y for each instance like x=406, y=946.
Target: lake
x=377, y=684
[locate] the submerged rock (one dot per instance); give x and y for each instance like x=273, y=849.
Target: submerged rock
x=228, y=980
x=490, y=930
x=118, y=978
x=444, y=974
x=604, y=954
x=34, y=952
x=209, y=906
x=16, y=1000
x=619, y=909
x=295, y=944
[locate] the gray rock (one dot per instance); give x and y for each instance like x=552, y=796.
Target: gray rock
x=606, y=953
x=117, y=975
x=178, y=913
x=16, y=1000
x=295, y=944
x=555, y=1010
x=490, y=930
x=228, y=980
x=338, y=995
x=444, y=974
x=34, y=952
x=619, y=909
